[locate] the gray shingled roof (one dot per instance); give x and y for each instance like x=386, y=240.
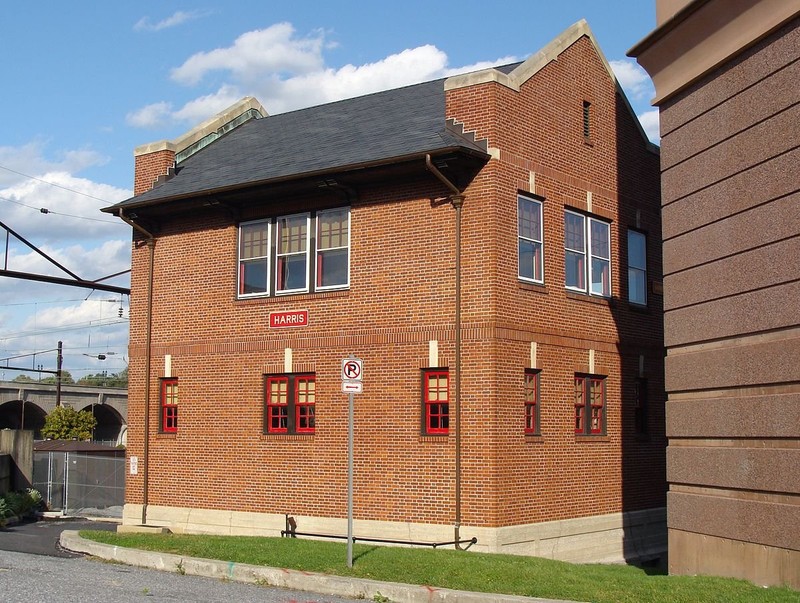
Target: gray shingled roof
x=375, y=128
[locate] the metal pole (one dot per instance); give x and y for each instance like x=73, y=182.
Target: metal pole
x=458, y=201
x=59, y=360
x=350, y=482
x=66, y=484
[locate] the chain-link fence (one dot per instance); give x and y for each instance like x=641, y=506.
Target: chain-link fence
x=80, y=483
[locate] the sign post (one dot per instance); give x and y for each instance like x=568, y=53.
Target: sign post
x=351, y=385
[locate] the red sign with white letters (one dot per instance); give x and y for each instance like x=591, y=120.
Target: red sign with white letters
x=292, y=318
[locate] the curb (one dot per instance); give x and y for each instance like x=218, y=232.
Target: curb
x=356, y=588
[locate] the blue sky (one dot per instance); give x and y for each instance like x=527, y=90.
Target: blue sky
x=86, y=82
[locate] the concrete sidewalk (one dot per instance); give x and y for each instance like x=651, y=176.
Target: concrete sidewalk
x=356, y=588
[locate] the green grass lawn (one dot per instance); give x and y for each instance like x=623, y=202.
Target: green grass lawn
x=461, y=570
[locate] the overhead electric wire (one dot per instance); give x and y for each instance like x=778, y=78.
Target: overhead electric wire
x=59, y=301
x=44, y=210
x=75, y=327
x=53, y=184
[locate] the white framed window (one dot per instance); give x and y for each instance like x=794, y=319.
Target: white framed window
x=637, y=267
x=333, y=249
x=291, y=258
x=530, y=240
x=275, y=254
x=254, y=245
x=587, y=254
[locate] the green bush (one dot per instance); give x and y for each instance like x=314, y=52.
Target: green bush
x=66, y=423
x=20, y=503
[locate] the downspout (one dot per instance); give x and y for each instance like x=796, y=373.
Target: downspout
x=151, y=245
x=457, y=201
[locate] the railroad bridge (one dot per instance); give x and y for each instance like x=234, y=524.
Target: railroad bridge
x=25, y=405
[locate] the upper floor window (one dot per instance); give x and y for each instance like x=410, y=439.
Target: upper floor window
x=587, y=254
x=254, y=245
x=531, y=388
x=529, y=233
x=435, y=402
x=333, y=248
x=295, y=254
x=637, y=267
x=291, y=268
x=169, y=405
x=590, y=405
x=290, y=404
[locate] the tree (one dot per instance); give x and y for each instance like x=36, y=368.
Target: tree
x=23, y=379
x=66, y=378
x=104, y=380
x=66, y=423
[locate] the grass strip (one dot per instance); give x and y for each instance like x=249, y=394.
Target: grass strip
x=460, y=570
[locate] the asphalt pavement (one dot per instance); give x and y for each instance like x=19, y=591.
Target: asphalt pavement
x=42, y=537
x=27, y=578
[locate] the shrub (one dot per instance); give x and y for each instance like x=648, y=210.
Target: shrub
x=20, y=503
x=66, y=423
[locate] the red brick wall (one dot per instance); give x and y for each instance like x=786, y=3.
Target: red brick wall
x=401, y=296
x=148, y=167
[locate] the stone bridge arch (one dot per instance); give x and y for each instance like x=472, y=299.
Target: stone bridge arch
x=17, y=414
x=36, y=400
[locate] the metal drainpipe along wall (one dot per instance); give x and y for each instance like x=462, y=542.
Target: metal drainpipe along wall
x=151, y=245
x=457, y=201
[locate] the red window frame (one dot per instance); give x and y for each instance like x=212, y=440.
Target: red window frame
x=290, y=403
x=531, y=388
x=304, y=403
x=169, y=405
x=590, y=403
x=436, y=401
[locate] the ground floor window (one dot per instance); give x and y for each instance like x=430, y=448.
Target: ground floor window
x=531, y=396
x=590, y=404
x=435, y=401
x=169, y=405
x=290, y=403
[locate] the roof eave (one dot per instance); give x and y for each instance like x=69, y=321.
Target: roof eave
x=131, y=204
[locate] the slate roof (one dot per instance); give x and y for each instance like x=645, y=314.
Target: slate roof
x=372, y=129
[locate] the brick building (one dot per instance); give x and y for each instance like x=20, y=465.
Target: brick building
x=488, y=244
x=725, y=73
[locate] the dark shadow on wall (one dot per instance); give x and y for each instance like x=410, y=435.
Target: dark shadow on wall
x=109, y=423
x=22, y=415
x=641, y=333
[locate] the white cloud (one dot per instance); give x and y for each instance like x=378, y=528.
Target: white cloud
x=84, y=326
x=286, y=72
x=407, y=67
x=177, y=18
x=506, y=60
x=150, y=116
x=272, y=50
x=65, y=197
x=200, y=109
x=650, y=123
x=633, y=79
x=29, y=159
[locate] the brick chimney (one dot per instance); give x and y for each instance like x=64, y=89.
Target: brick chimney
x=156, y=160
x=151, y=161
